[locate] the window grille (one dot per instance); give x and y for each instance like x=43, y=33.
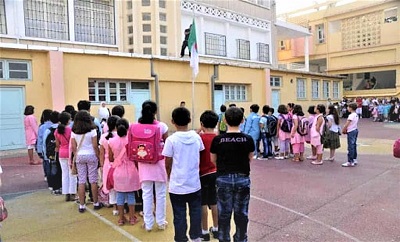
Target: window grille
x=3, y=27
x=301, y=88
x=15, y=69
x=130, y=18
x=243, y=49
x=275, y=81
x=146, y=16
x=94, y=21
x=163, y=17
x=145, y=3
x=107, y=91
x=320, y=33
x=130, y=40
x=147, y=51
x=162, y=3
x=46, y=19
x=146, y=38
x=215, y=44
x=235, y=92
x=315, y=89
x=163, y=29
x=335, y=90
x=326, y=89
x=263, y=52
x=146, y=27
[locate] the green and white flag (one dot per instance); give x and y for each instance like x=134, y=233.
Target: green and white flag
x=192, y=44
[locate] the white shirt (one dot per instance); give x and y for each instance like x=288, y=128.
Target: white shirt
x=353, y=117
x=87, y=146
x=334, y=127
x=184, y=147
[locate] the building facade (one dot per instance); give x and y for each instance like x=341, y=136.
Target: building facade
x=359, y=40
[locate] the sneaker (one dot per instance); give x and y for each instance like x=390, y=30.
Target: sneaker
x=205, y=237
x=67, y=197
x=98, y=206
x=262, y=158
x=115, y=213
x=214, y=233
x=355, y=162
x=348, y=164
x=163, y=226
x=82, y=209
x=280, y=158
x=255, y=157
x=45, y=179
x=56, y=192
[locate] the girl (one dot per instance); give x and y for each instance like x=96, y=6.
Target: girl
x=375, y=113
x=31, y=132
x=126, y=177
x=316, y=132
x=297, y=140
x=332, y=141
x=84, y=147
x=350, y=128
x=153, y=176
x=63, y=135
x=284, y=137
x=311, y=117
x=104, y=159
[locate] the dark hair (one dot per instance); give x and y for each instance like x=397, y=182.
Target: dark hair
x=84, y=105
x=272, y=110
x=118, y=110
x=265, y=109
x=233, y=116
x=232, y=105
x=311, y=109
x=222, y=108
x=282, y=109
x=149, y=110
x=83, y=123
x=321, y=108
x=112, y=124
x=209, y=119
x=45, y=115
x=64, y=118
x=73, y=113
x=122, y=127
x=332, y=110
x=352, y=105
x=69, y=109
x=242, y=108
x=291, y=105
x=298, y=110
x=181, y=116
x=54, y=117
x=254, y=108
x=29, y=110
x=183, y=102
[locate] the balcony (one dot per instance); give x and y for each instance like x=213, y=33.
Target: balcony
x=292, y=66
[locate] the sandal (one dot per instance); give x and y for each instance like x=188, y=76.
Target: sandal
x=296, y=160
x=121, y=222
x=317, y=162
x=133, y=220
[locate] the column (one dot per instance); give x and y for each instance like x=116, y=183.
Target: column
x=56, y=60
x=306, y=54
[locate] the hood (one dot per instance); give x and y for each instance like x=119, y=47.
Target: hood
x=188, y=137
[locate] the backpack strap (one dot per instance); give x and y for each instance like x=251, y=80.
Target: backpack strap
x=80, y=144
x=117, y=161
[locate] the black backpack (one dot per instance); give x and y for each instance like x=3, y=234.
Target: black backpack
x=51, y=145
x=272, y=122
x=286, y=125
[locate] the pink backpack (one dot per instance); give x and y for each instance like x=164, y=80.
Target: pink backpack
x=396, y=149
x=145, y=143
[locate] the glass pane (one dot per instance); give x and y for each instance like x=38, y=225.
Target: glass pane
x=113, y=85
x=101, y=84
x=113, y=98
x=18, y=66
x=123, y=97
x=18, y=75
x=122, y=85
x=102, y=91
x=102, y=98
x=91, y=84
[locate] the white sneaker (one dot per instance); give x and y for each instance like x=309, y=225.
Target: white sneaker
x=255, y=157
x=163, y=226
x=329, y=159
x=355, y=162
x=280, y=158
x=262, y=158
x=115, y=213
x=347, y=164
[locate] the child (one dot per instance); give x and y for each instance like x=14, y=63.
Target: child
x=265, y=138
x=296, y=139
x=182, y=160
x=316, y=131
x=232, y=153
x=208, y=121
x=126, y=177
x=252, y=126
x=311, y=118
x=45, y=118
x=332, y=141
x=284, y=136
x=31, y=132
x=350, y=128
x=273, y=130
x=221, y=120
x=375, y=113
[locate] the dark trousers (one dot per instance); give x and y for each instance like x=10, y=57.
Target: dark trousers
x=352, y=146
x=178, y=202
x=184, y=45
x=365, y=112
x=267, y=144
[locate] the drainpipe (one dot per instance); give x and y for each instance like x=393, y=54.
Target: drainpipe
x=213, y=78
x=156, y=82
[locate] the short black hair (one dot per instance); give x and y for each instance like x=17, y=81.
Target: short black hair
x=234, y=116
x=282, y=109
x=272, y=110
x=118, y=110
x=311, y=109
x=232, y=105
x=84, y=105
x=181, y=116
x=265, y=109
x=254, y=108
x=321, y=108
x=222, y=108
x=29, y=110
x=54, y=117
x=45, y=115
x=209, y=119
x=69, y=109
x=353, y=106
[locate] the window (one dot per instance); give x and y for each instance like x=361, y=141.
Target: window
x=315, y=89
x=264, y=3
x=215, y=44
x=320, y=33
x=3, y=28
x=390, y=15
x=335, y=90
x=130, y=40
x=243, y=49
x=130, y=29
x=40, y=19
x=129, y=4
x=94, y=21
x=163, y=29
x=146, y=27
x=263, y=52
x=130, y=18
x=139, y=86
x=163, y=17
x=15, y=69
x=146, y=38
x=301, y=88
x=164, y=51
x=163, y=40
x=325, y=89
x=282, y=45
x=145, y=3
x=275, y=81
x=146, y=16
x=147, y=51
x=130, y=50
x=107, y=90
x=235, y=92
x=162, y=3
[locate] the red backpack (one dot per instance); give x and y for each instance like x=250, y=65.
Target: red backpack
x=145, y=143
x=396, y=149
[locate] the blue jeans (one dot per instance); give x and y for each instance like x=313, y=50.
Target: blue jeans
x=178, y=202
x=46, y=168
x=233, y=193
x=256, y=139
x=128, y=196
x=267, y=145
x=352, y=145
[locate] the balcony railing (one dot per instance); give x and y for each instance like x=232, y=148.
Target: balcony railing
x=292, y=66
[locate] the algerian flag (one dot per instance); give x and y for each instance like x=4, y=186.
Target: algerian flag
x=192, y=44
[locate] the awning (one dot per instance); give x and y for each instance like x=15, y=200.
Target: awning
x=287, y=30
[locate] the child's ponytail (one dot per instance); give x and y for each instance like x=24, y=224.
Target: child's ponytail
x=122, y=127
x=111, y=123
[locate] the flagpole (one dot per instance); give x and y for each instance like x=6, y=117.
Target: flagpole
x=193, y=98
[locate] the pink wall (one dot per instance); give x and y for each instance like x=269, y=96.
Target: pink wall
x=298, y=46
x=268, y=97
x=57, y=79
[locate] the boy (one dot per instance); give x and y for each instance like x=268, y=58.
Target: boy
x=252, y=127
x=221, y=123
x=273, y=120
x=232, y=152
x=208, y=121
x=266, y=140
x=182, y=160
x=350, y=128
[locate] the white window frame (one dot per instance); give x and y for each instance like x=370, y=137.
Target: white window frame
x=243, y=49
x=3, y=22
x=315, y=89
x=263, y=52
x=326, y=88
x=108, y=93
x=320, y=32
x=335, y=90
x=235, y=92
x=301, y=88
x=275, y=81
x=6, y=69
